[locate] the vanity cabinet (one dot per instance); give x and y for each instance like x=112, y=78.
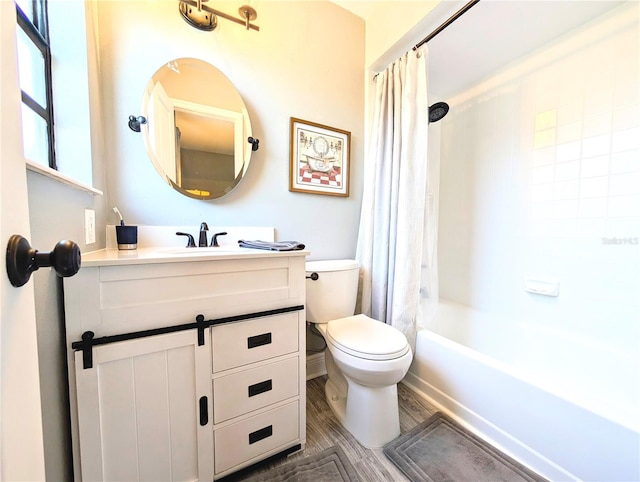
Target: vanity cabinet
x=255, y=388
x=138, y=410
x=160, y=393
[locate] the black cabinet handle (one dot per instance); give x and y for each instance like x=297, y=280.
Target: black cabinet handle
x=258, y=388
x=204, y=411
x=259, y=340
x=260, y=434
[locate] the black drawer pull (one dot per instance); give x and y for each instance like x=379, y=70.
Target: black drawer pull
x=259, y=340
x=260, y=434
x=204, y=411
x=258, y=388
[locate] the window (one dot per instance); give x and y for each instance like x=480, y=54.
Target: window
x=57, y=65
x=34, y=67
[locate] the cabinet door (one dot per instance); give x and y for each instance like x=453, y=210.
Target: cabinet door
x=139, y=410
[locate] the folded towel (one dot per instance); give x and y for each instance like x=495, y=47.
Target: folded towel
x=271, y=246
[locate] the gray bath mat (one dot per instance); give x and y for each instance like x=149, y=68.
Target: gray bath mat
x=330, y=465
x=440, y=450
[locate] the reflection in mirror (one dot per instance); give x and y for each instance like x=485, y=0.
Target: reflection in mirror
x=197, y=129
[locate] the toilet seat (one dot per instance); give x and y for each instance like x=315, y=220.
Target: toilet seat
x=382, y=341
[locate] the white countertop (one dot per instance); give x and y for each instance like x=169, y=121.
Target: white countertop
x=115, y=257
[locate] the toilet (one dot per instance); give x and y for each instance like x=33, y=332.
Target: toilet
x=365, y=358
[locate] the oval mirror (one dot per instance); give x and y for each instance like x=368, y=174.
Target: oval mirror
x=197, y=128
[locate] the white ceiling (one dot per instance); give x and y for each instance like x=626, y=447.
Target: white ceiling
x=492, y=34
x=361, y=9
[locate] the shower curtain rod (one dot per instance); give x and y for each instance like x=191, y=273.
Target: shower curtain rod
x=448, y=22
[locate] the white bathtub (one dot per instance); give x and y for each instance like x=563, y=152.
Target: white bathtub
x=567, y=408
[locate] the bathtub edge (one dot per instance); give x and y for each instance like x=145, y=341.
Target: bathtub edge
x=484, y=429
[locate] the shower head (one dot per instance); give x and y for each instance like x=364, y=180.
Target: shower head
x=437, y=111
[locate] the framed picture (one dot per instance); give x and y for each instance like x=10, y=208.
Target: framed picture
x=319, y=159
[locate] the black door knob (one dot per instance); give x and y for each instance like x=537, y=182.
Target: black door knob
x=22, y=259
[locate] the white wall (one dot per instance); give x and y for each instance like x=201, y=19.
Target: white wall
x=540, y=174
x=306, y=62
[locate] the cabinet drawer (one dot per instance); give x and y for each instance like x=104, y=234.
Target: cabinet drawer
x=237, y=344
x=254, y=436
x=258, y=387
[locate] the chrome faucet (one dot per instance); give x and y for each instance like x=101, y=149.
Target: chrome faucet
x=202, y=243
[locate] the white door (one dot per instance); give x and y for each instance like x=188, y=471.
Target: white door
x=20, y=414
x=139, y=410
x=162, y=132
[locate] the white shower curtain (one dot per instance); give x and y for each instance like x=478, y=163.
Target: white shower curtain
x=390, y=239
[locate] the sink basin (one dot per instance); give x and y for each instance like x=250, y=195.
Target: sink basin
x=200, y=251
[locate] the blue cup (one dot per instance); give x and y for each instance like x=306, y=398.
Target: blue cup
x=127, y=237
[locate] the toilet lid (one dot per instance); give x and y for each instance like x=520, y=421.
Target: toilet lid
x=367, y=338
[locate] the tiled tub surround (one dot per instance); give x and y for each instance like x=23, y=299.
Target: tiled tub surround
x=196, y=403
x=540, y=178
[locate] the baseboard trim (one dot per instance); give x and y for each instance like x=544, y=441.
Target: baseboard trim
x=315, y=365
x=484, y=429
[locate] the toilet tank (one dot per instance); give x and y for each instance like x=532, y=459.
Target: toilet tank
x=333, y=294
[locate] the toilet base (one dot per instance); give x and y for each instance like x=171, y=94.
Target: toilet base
x=337, y=403
x=369, y=414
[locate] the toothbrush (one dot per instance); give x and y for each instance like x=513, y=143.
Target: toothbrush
x=115, y=210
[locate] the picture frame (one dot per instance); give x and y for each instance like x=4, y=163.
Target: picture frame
x=319, y=159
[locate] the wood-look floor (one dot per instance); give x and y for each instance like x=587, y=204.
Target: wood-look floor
x=324, y=431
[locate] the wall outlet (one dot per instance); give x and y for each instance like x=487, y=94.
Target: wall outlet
x=89, y=226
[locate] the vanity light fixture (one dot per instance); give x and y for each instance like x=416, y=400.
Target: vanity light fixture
x=203, y=17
